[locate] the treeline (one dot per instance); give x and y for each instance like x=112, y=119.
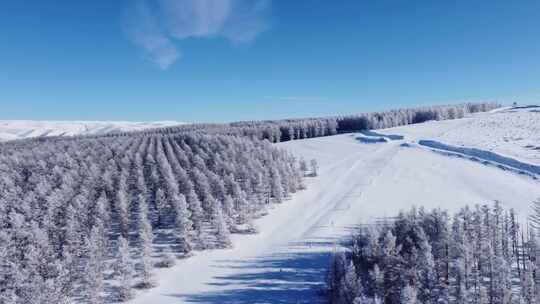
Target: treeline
x=401, y=117
x=87, y=219
x=291, y=129
x=477, y=255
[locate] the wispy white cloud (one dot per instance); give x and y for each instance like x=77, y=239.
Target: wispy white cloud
x=297, y=98
x=154, y=25
x=143, y=28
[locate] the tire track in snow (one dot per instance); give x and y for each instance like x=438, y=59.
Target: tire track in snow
x=353, y=191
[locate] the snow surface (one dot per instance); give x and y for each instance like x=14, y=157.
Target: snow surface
x=513, y=132
x=358, y=183
x=19, y=129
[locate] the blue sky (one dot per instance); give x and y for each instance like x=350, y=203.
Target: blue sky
x=225, y=60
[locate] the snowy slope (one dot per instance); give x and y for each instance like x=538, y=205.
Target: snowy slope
x=19, y=129
x=358, y=182
x=508, y=131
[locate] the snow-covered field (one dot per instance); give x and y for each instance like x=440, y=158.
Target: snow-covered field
x=359, y=181
x=19, y=129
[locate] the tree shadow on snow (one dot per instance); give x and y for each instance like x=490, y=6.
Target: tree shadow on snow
x=279, y=278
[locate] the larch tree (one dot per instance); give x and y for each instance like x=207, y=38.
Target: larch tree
x=183, y=225
x=303, y=166
x=161, y=203
x=408, y=295
x=122, y=205
x=314, y=167
x=124, y=270
x=146, y=238
x=93, y=285
x=220, y=226
x=276, y=186
x=534, y=218
x=195, y=208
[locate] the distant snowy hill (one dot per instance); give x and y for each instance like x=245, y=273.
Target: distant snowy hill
x=20, y=129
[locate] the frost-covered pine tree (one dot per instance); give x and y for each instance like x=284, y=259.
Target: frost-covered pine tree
x=535, y=216
x=229, y=212
x=122, y=205
x=36, y=285
x=124, y=270
x=427, y=278
x=101, y=212
x=220, y=226
x=183, y=225
x=408, y=295
x=314, y=167
x=377, y=278
x=501, y=291
x=276, y=186
x=528, y=284
x=242, y=208
x=350, y=288
x=202, y=187
x=461, y=259
x=7, y=270
x=93, y=285
x=195, y=208
x=146, y=238
x=161, y=203
x=392, y=267
x=303, y=166
x=71, y=242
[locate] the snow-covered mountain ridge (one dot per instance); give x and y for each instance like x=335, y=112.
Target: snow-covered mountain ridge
x=21, y=129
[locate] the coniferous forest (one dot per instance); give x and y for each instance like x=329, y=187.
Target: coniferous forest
x=479, y=254
x=71, y=206
x=291, y=129
x=87, y=219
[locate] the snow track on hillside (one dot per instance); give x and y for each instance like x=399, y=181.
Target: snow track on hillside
x=487, y=157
